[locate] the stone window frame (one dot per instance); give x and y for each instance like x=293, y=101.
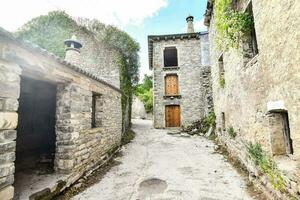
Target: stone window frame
x=95, y=97
x=280, y=139
x=250, y=57
x=221, y=68
x=162, y=57
x=223, y=121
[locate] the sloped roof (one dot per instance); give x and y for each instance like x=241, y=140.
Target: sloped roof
x=38, y=49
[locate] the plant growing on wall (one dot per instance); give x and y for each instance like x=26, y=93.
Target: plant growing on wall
x=231, y=132
x=49, y=31
x=209, y=121
x=267, y=166
x=222, y=81
x=231, y=25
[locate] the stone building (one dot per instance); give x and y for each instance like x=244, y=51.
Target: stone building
x=57, y=120
x=181, y=77
x=256, y=88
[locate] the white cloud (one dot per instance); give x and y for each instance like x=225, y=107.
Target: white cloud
x=199, y=25
x=14, y=13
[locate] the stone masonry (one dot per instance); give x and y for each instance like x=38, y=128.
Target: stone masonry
x=260, y=89
x=193, y=73
x=79, y=147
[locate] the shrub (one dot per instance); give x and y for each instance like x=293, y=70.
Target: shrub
x=145, y=93
x=231, y=25
x=266, y=165
x=209, y=121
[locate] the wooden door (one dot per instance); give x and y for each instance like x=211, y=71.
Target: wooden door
x=172, y=116
x=171, y=84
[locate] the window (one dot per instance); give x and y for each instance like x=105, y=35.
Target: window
x=221, y=72
x=281, y=142
x=170, y=57
x=171, y=84
x=250, y=47
x=223, y=121
x=96, y=109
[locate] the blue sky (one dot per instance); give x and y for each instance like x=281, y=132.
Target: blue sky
x=139, y=18
x=168, y=20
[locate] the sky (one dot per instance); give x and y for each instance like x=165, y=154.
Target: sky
x=139, y=18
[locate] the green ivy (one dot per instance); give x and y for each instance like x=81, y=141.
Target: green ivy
x=267, y=166
x=231, y=25
x=49, y=31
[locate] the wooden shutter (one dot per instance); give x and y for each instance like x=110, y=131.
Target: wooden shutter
x=171, y=85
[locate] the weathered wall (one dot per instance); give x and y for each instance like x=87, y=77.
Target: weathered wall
x=193, y=80
x=96, y=57
x=78, y=146
x=273, y=75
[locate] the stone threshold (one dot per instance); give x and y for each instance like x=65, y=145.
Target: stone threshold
x=32, y=186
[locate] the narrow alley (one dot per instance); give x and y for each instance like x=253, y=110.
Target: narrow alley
x=157, y=165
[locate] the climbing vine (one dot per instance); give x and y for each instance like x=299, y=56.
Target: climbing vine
x=231, y=24
x=49, y=31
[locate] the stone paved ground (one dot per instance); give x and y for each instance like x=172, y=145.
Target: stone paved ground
x=157, y=165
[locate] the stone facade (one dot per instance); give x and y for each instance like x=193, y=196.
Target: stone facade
x=99, y=59
x=257, y=89
x=193, y=73
x=78, y=147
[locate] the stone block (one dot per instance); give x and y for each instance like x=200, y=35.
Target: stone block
x=65, y=164
x=8, y=135
x=6, y=181
x=10, y=67
x=7, y=193
x=7, y=157
x=7, y=169
x=11, y=105
x=9, y=90
x=8, y=120
x=2, y=104
x=8, y=146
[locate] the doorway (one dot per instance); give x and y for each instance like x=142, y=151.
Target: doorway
x=172, y=116
x=35, y=145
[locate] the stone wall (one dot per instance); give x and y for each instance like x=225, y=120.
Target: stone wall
x=270, y=78
x=193, y=79
x=79, y=147
x=96, y=57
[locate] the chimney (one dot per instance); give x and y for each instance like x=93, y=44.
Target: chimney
x=73, y=51
x=190, y=25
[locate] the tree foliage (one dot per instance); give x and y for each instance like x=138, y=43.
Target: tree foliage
x=144, y=92
x=231, y=25
x=49, y=31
